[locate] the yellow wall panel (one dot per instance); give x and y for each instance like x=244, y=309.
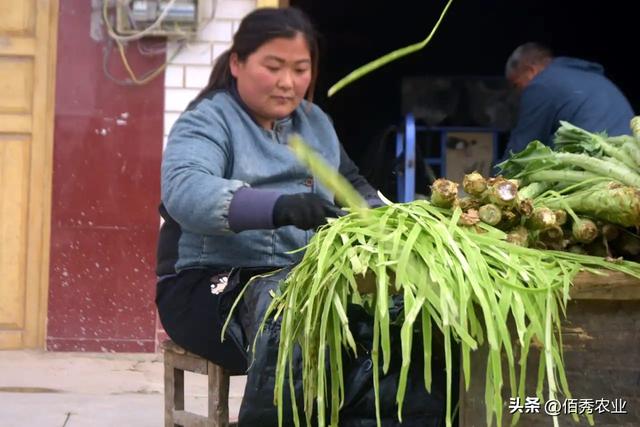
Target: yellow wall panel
x=268, y=3
x=17, y=17
x=11, y=340
x=28, y=36
x=14, y=173
x=16, y=123
x=16, y=84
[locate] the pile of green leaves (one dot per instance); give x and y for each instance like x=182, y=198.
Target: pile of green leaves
x=468, y=282
x=465, y=283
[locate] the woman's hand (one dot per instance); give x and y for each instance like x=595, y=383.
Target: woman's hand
x=304, y=210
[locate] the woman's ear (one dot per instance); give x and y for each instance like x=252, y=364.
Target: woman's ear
x=234, y=64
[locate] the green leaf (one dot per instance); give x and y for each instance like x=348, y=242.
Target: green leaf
x=383, y=60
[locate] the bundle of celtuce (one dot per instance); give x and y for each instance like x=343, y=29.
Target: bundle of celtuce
x=590, y=220
x=595, y=179
x=578, y=156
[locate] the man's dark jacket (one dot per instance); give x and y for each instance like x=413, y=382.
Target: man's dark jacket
x=572, y=90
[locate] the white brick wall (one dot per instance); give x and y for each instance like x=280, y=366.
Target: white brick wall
x=194, y=53
x=218, y=31
x=174, y=76
x=234, y=9
x=189, y=70
x=197, y=77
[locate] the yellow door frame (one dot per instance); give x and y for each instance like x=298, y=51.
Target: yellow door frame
x=28, y=39
x=272, y=3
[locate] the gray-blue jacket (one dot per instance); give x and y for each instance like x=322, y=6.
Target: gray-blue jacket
x=572, y=90
x=215, y=149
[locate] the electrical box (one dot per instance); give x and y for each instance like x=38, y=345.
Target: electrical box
x=183, y=18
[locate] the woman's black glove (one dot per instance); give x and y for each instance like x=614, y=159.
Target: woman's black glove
x=303, y=210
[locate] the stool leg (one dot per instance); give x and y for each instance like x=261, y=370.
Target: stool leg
x=173, y=393
x=218, y=395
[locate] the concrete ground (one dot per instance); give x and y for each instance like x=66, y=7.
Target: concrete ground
x=51, y=389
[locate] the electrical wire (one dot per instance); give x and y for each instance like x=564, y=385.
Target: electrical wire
x=133, y=79
x=143, y=49
x=132, y=75
x=152, y=50
x=129, y=81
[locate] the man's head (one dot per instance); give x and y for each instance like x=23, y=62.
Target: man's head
x=526, y=62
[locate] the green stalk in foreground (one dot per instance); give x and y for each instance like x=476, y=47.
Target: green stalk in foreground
x=534, y=189
x=329, y=177
x=564, y=176
x=384, y=60
x=611, y=201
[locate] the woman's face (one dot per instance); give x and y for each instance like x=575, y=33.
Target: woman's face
x=274, y=79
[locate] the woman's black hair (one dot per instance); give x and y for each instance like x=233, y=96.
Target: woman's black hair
x=256, y=29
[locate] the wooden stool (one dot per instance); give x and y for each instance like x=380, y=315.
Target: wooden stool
x=176, y=361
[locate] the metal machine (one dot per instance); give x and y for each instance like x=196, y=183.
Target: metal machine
x=447, y=152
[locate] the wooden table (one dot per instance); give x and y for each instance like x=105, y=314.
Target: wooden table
x=601, y=341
